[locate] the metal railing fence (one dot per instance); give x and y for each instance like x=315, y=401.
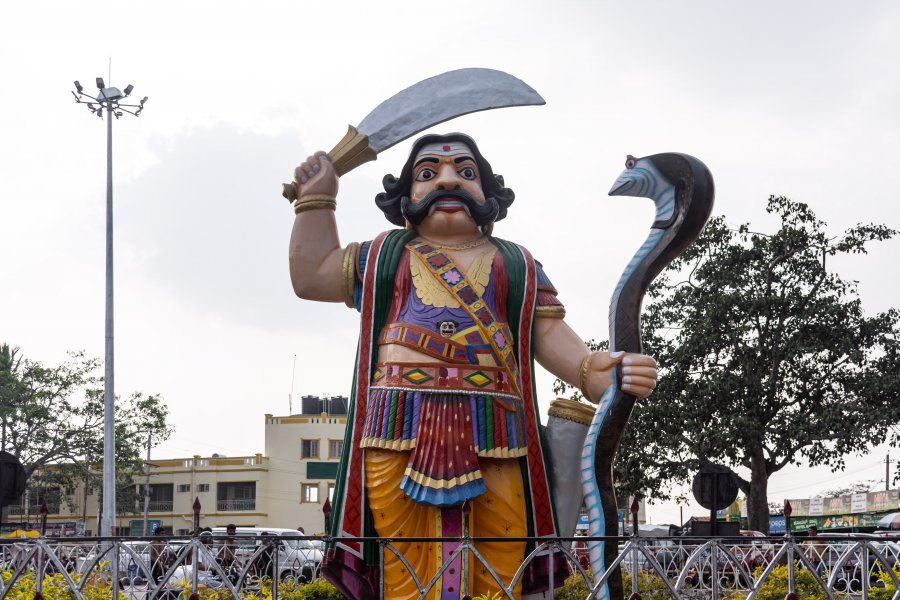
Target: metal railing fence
x=173, y=568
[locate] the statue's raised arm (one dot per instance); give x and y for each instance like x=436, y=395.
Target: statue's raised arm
x=315, y=250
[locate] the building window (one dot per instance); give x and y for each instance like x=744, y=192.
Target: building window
x=184, y=487
x=309, y=492
x=335, y=447
x=202, y=487
x=309, y=449
x=161, y=497
x=330, y=491
x=239, y=495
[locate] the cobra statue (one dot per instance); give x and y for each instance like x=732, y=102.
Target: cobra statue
x=682, y=189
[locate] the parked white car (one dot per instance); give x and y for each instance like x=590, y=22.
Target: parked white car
x=134, y=560
x=297, y=560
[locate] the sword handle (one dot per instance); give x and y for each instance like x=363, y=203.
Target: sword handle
x=352, y=151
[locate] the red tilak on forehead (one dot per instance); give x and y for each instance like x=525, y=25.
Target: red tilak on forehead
x=446, y=148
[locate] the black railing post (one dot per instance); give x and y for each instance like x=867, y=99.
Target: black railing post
x=196, y=508
x=326, y=512
x=635, y=507
x=44, y=512
x=276, y=546
x=788, y=534
x=787, y=518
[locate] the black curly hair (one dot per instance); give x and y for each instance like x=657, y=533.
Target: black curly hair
x=396, y=189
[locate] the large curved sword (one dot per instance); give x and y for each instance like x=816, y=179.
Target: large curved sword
x=682, y=189
x=422, y=105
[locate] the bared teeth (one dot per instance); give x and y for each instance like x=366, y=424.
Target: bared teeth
x=449, y=203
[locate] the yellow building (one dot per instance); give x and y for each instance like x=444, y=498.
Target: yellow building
x=284, y=487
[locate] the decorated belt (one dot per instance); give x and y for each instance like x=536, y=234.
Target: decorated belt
x=432, y=344
x=443, y=378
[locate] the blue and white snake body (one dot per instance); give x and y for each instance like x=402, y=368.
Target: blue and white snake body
x=641, y=178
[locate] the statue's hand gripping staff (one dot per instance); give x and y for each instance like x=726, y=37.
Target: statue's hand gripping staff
x=682, y=189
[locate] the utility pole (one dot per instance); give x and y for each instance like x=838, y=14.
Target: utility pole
x=84, y=499
x=887, y=471
x=109, y=99
x=147, y=486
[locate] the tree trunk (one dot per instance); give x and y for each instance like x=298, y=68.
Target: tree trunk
x=757, y=496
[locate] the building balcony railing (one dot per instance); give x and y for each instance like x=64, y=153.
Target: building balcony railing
x=160, y=506
x=137, y=507
x=33, y=509
x=230, y=505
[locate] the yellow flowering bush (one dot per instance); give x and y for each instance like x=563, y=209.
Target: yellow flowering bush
x=496, y=596
x=885, y=588
x=55, y=587
x=775, y=587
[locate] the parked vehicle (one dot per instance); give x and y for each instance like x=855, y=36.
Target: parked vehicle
x=297, y=559
x=751, y=549
x=852, y=571
x=754, y=552
x=134, y=561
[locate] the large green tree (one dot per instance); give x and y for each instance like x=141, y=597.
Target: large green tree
x=51, y=419
x=766, y=356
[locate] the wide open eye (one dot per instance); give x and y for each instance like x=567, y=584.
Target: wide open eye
x=468, y=173
x=630, y=162
x=425, y=174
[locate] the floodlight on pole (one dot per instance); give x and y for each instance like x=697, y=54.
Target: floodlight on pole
x=109, y=98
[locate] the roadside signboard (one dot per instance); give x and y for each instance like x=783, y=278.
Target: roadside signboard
x=136, y=527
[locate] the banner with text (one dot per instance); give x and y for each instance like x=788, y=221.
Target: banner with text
x=884, y=500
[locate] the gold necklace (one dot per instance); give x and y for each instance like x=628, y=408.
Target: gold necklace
x=464, y=246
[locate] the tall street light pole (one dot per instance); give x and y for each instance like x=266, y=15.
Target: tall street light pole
x=109, y=100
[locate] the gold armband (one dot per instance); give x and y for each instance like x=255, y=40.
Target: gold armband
x=348, y=272
x=551, y=311
x=314, y=202
x=583, y=376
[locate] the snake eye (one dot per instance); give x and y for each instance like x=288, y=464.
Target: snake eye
x=630, y=162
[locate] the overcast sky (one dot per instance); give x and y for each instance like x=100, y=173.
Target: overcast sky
x=786, y=98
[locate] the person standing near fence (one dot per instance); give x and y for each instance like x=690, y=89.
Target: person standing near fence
x=158, y=554
x=815, y=550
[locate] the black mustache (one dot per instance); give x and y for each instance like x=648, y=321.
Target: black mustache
x=482, y=214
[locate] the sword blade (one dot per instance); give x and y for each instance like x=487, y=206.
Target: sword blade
x=422, y=105
x=441, y=98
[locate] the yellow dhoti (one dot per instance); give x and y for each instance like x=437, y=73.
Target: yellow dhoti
x=500, y=512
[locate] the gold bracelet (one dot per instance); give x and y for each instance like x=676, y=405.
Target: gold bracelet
x=314, y=202
x=348, y=272
x=583, y=376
